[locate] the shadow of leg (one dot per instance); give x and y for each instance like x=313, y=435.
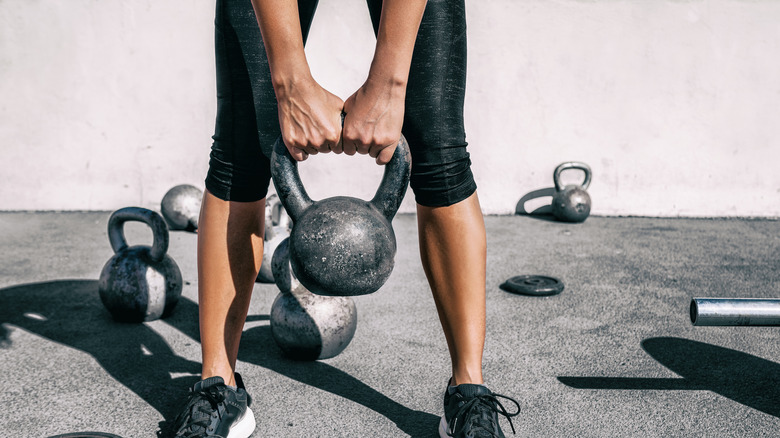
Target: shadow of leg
x=323, y=376
x=258, y=347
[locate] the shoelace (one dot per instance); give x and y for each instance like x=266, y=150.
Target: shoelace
x=485, y=405
x=197, y=404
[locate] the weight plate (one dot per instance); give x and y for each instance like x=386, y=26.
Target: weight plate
x=535, y=285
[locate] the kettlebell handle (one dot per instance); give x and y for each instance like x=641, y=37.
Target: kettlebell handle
x=116, y=234
x=571, y=165
x=387, y=199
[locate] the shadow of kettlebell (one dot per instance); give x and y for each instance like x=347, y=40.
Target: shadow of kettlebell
x=543, y=212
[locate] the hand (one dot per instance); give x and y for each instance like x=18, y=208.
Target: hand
x=373, y=122
x=310, y=119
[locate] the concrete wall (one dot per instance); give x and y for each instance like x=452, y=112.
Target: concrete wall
x=674, y=104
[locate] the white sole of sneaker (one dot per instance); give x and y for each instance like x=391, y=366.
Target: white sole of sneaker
x=443, y=428
x=245, y=427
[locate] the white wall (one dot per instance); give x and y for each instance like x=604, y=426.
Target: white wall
x=674, y=104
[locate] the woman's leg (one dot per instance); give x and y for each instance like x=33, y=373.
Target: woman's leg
x=450, y=224
x=453, y=252
x=230, y=251
x=451, y=229
x=230, y=234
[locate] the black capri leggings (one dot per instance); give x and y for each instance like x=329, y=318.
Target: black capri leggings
x=248, y=123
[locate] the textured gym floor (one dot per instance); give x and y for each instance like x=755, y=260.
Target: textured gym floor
x=614, y=355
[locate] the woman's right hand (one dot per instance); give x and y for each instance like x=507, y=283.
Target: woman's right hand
x=309, y=117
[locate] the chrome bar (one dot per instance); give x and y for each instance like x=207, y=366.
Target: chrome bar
x=735, y=312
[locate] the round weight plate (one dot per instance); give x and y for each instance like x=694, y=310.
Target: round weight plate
x=535, y=285
x=86, y=435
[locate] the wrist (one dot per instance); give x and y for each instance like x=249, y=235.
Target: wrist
x=387, y=83
x=389, y=69
x=289, y=77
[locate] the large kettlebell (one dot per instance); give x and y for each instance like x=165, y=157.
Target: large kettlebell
x=139, y=283
x=181, y=207
x=341, y=245
x=277, y=228
x=571, y=203
x=304, y=325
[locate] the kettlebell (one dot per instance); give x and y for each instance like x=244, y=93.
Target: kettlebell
x=571, y=203
x=181, y=207
x=304, y=325
x=277, y=228
x=139, y=283
x=342, y=246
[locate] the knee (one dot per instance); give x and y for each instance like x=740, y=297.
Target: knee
x=442, y=177
x=242, y=180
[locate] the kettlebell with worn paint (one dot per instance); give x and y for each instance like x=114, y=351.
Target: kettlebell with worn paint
x=304, y=325
x=139, y=283
x=181, y=207
x=571, y=203
x=342, y=246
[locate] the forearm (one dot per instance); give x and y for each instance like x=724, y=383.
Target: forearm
x=395, y=42
x=281, y=29
x=309, y=115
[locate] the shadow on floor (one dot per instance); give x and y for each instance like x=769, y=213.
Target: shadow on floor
x=544, y=212
x=69, y=312
x=4, y=341
x=741, y=377
x=327, y=378
x=258, y=347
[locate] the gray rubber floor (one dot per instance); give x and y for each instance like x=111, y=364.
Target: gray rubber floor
x=614, y=355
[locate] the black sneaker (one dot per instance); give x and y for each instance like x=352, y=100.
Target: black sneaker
x=216, y=410
x=471, y=411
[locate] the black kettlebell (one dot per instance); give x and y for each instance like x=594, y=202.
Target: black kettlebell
x=139, y=283
x=571, y=203
x=342, y=246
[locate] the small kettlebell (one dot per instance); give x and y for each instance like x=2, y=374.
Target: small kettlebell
x=342, y=246
x=139, y=283
x=304, y=325
x=277, y=228
x=181, y=207
x=571, y=203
